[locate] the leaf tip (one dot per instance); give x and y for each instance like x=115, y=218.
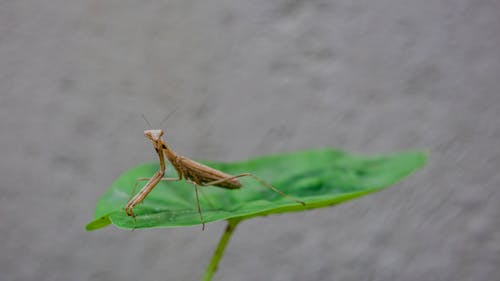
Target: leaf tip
x=98, y=223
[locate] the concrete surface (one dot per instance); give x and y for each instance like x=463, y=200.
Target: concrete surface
x=250, y=78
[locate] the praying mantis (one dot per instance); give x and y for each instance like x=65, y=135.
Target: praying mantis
x=191, y=171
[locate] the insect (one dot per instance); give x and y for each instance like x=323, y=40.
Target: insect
x=189, y=170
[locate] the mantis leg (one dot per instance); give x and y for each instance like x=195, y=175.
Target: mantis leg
x=179, y=179
x=163, y=179
x=199, y=207
x=175, y=179
x=147, y=179
x=146, y=189
x=263, y=182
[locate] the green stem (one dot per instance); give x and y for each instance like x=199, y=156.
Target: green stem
x=219, y=252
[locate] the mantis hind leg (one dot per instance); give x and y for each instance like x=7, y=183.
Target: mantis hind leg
x=261, y=181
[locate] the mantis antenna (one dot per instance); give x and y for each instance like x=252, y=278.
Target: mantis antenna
x=147, y=122
x=162, y=121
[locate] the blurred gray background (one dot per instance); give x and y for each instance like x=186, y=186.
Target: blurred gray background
x=249, y=78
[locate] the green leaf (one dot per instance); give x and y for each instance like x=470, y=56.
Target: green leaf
x=320, y=178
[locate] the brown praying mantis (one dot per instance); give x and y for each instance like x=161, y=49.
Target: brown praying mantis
x=190, y=170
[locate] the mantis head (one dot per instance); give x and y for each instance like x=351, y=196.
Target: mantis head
x=154, y=135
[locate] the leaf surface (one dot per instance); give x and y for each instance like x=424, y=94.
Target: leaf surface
x=321, y=177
